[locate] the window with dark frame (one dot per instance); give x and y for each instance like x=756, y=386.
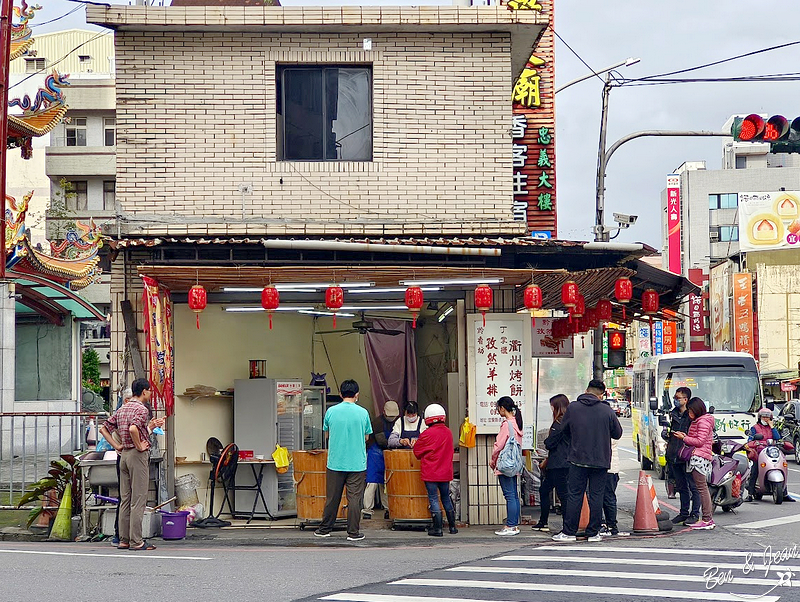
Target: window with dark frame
x=78, y=200
x=76, y=132
x=110, y=131
x=324, y=113
x=34, y=65
x=109, y=194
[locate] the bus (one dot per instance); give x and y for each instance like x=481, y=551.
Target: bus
x=726, y=381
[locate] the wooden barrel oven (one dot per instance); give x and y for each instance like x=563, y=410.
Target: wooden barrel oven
x=310, y=481
x=408, y=498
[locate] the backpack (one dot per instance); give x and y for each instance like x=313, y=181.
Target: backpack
x=510, y=462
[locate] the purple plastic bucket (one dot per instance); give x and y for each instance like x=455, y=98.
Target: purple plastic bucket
x=173, y=524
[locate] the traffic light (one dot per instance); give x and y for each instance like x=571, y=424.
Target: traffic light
x=782, y=135
x=616, y=348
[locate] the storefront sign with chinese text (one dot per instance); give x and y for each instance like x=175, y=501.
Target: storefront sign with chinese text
x=643, y=346
x=543, y=343
x=696, y=326
x=658, y=338
x=500, y=364
x=674, y=223
x=743, y=312
x=670, y=336
x=533, y=130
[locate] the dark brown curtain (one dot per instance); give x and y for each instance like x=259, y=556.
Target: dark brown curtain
x=392, y=364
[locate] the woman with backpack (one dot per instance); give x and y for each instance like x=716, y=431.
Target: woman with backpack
x=510, y=435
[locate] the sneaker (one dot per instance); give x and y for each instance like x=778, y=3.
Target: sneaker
x=541, y=527
x=366, y=514
x=604, y=531
x=749, y=498
x=616, y=533
x=702, y=524
x=563, y=538
x=356, y=537
x=595, y=538
x=679, y=519
x=691, y=520
x=507, y=531
x=788, y=498
x=319, y=533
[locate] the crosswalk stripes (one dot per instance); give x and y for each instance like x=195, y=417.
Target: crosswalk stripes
x=595, y=574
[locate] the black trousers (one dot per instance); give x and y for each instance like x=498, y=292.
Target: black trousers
x=687, y=490
x=554, y=478
x=336, y=480
x=610, y=500
x=585, y=480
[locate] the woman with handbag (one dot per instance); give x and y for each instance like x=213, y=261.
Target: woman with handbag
x=696, y=451
x=511, y=427
x=555, y=467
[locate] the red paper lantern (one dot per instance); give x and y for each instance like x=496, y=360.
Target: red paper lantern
x=533, y=299
x=197, y=301
x=484, y=298
x=623, y=290
x=414, y=301
x=569, y=294
x=580, y=307
x=604, y=309
x=650, y=302
x=334, y=299
x=270, y=299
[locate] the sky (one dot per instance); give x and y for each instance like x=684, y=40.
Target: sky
x=666, y=37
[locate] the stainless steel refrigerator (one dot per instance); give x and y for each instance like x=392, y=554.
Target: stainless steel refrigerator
x=267, y=411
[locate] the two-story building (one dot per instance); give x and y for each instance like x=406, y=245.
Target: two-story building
x=368, y=147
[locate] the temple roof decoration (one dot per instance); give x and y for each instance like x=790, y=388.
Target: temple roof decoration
x=21, y=39
x=72, y=263
x=39, y=116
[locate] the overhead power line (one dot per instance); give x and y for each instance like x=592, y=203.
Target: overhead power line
x=57, y=18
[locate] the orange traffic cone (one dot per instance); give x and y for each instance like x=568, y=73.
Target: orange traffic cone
x=644, y=520
x=584, y=520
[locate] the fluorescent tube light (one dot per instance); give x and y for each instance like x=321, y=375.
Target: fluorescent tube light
x=255, y=308
x=313, y=312
x=370, y=291
x=443, y=316
x=453, y=281
x=298, y=286
x=373, y=307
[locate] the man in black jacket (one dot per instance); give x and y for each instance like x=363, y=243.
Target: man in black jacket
x=590, y=425
x=687, y=490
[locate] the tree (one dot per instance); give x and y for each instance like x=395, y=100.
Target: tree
x=59, y=214
x=90, y=370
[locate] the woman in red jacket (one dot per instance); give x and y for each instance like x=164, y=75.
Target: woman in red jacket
x=701, y=438
x=434, y=449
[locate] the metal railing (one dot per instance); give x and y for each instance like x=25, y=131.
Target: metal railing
x=29, y=441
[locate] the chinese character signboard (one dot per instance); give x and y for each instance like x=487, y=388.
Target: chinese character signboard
x=769, y=220
x=544, y=345
x=696, y=326
x=643, y=339
x=533, y=130
x=743, y=313
x=720, y=308
x=674, y=223
x=499, y=356
x=670, y=336
x=658, y=338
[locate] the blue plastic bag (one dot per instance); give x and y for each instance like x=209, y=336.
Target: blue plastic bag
x=103, y=445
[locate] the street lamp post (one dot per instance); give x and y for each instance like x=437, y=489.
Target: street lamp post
x=626, y=63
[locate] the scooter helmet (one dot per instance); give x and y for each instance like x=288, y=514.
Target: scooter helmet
x=765, y=413
x=434, y=413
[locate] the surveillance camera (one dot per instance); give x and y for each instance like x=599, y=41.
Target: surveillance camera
x=625, y=220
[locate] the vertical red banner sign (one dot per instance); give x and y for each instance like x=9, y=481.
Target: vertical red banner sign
x=743, y=313
x=696, y=327
x=533, y=131
x=674, y=223
x=669, y=337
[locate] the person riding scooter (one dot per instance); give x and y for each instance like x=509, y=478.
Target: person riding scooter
x=764, y=426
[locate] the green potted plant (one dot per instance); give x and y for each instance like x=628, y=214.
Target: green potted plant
x=64, y=477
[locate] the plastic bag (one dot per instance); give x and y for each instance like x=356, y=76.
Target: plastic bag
x=103, y=445
x=282, y=459
x=467, y=436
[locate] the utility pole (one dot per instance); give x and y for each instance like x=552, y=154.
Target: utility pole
x=7, y=300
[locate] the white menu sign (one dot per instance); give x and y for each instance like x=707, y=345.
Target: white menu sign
x=500, y=363
x=544, y=345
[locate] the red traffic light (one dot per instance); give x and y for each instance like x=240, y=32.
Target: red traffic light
x=777, y=128
x=751, y=128
x=616, y=340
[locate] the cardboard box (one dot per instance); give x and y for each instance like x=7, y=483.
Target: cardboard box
x=151, y=523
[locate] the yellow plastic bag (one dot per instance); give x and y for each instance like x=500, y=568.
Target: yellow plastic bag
x=467, y=436
x=282, y=459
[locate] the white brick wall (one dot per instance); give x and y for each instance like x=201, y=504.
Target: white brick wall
x=196, y=118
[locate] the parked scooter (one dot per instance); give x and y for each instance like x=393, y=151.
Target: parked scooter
x=729, y=473
x=773, y=470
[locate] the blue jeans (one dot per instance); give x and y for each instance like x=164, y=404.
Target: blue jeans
x=509, y=487
x=435, y=488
